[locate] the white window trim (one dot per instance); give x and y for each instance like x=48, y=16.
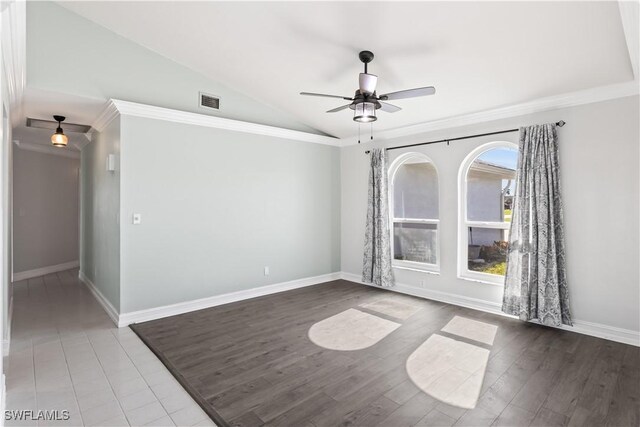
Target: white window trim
x=412, y=265
x=463, y=224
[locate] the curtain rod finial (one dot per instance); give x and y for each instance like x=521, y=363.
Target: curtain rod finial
x=561, y=123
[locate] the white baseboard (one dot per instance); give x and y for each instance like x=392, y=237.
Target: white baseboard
x=611, y=333
x=449, y=298
x=37, y=272
x=102, y=300
x=599, y=330
x=187, y=306
x=125, y=319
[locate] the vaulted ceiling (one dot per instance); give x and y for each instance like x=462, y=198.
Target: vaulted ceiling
x=478, y=55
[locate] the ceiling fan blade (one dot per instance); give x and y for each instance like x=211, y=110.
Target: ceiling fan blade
x=326, y=96
x=409, y=93
x=343, y=107
x=367, y=83
x=389, y=108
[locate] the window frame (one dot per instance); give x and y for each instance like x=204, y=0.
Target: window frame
x=412, y=265
x=464, y=224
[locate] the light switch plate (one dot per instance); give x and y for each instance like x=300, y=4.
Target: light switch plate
x=137, y=218
x=111, y=163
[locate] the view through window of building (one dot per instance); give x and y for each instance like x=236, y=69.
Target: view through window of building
x=415, y=205
x=490, y=188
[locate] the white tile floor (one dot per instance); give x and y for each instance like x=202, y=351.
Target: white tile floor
x=66, y=354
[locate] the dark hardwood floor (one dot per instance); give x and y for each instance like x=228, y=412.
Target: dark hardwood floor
x=252, y=363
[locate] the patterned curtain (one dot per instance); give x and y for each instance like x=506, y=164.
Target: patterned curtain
x=376, y=267
x=536, y=281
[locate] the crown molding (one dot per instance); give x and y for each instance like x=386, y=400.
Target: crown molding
x=572, y=99
x=116, y=106
x=45, y=149
x=630, y=15
x=80, y=143
x=13, y=35
x=103, y=120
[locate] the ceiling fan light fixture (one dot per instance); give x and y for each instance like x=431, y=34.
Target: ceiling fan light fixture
x=365, y=112
x=59, y=139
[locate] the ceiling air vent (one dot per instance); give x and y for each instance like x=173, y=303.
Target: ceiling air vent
x=209, y=101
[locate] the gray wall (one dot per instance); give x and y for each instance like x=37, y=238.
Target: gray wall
x=100, y=213
x=599, y=152
x=6, y=174
x=217, y=206
x=45, y=210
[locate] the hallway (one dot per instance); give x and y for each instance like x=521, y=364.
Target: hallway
x=66, y=354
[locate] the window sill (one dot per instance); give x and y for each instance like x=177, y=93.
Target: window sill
x=477, y=280
x=419, y=270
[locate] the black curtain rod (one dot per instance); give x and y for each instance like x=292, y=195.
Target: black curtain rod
x=559, y=124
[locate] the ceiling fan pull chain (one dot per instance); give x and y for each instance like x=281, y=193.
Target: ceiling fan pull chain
x=371, y=131
x=358, y=133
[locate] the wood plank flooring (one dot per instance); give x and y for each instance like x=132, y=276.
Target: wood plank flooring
x=252, y=363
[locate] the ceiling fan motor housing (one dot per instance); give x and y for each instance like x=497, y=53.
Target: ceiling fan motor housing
x=359, y=98
x=367, y=83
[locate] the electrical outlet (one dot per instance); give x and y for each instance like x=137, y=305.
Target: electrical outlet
x=266, y=270
x=137, y=218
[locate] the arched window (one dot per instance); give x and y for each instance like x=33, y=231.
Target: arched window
x=414, y=207
x=487, y=186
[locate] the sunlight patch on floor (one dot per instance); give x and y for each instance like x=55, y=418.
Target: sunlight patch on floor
x=471, y=329
x=449, y=370
x=350, y=330
x=392, y=307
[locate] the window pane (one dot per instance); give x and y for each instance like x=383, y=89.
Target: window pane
x=415, y=242
x=491, y=185
x=415, y=191
x=488, y=250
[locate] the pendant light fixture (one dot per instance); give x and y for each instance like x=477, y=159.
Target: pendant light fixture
x=59, y=139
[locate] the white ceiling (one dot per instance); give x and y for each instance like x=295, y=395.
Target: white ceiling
x=478, y=55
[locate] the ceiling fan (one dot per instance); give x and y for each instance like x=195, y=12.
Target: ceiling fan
x=365, y=102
